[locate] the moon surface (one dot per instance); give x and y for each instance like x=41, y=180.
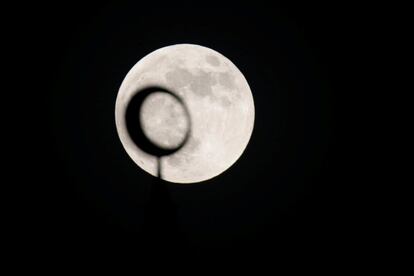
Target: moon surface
x=164, y=120
x=219, y=103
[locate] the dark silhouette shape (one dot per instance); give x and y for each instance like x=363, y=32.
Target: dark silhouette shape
x=160, y=221
x=135, y=127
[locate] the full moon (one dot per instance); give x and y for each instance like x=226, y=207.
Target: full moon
x=216, y=112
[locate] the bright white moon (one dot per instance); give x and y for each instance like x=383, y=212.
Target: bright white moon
x=219, y=102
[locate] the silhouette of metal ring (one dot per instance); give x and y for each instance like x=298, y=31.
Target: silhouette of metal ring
x=134, y=124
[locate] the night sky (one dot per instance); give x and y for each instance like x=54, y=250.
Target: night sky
x=288, y=191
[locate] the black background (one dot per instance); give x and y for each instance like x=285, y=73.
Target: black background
x=293, y=189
